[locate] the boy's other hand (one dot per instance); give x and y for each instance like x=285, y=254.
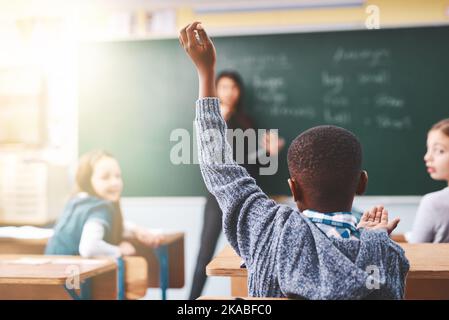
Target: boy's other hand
x=199, y=47
x=377, y=218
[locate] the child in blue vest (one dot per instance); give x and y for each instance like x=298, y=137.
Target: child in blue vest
x=92, y=223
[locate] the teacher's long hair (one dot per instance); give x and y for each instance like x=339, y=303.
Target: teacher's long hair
x=240, y=117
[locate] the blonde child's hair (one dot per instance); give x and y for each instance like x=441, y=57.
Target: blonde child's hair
x=85, y=170
x=83, y=183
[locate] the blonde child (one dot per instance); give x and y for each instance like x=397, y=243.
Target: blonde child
x=92, y=223
x=432, y=219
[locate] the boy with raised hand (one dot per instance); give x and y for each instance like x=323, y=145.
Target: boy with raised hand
x=317, y=251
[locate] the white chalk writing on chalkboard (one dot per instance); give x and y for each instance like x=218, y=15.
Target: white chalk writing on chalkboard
x=334, y=81
x=258, y=63
x=337, y=117
x=305, y=112
x=384, y=100
x=336, y=101
x=379, y=77
x=385, y=121
x=269, y=91
x=370, y=57
x=268, y=83
x=353, y=87
x=274, y=99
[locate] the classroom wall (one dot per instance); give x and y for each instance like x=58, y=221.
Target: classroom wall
x=262, y=15
x=392, y=13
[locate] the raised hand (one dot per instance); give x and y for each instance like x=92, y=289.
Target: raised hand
x=201, y=50
x=198, y=46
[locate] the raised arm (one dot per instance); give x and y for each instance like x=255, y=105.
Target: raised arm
x=248, y=214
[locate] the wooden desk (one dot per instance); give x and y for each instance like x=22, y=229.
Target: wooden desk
x=227, y=264
x=136, y=268
x=45, y=277
x=428, y=277
x=164, y=265
x=398, y=237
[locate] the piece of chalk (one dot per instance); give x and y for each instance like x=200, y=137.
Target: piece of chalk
x=197, y=36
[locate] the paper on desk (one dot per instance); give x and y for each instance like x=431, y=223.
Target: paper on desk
x=77, y=261
x=25, y=232
x=28, y=261
x=41, y=261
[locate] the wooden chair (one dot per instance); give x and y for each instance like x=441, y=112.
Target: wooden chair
x=165, y=264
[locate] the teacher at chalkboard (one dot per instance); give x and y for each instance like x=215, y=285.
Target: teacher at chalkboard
x=230, y=91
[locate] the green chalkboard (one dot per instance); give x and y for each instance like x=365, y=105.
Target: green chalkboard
x=387, y=86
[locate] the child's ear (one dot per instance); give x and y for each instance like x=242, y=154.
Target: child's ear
x=363, y=183
x=294, y=189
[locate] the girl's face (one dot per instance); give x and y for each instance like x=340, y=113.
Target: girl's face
x=107, y=179
x=228, y=92
x=437, y=155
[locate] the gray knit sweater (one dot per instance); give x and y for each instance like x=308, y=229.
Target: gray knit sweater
x=285, y=253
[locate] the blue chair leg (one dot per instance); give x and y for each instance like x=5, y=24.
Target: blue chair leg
x=72, y=293
x=85, y=291
x=162, y=255
x=121, y=279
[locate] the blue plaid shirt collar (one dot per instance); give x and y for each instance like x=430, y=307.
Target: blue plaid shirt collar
x=335, y=224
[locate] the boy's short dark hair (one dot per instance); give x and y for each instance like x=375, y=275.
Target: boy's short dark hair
x=326, y=161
